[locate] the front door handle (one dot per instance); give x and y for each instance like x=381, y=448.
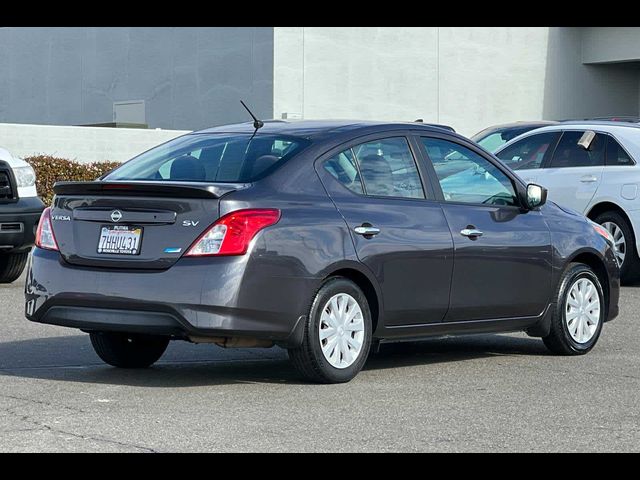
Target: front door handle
x=588, y=179
x=471, y=232
x=366, y=230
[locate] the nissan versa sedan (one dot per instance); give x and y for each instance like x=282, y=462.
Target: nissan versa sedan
x=325, y=238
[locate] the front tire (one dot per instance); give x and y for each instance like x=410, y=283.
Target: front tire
x=625, y=246
x=579, y=312
x=128, y=350
x=337, y=334
x=12, y=265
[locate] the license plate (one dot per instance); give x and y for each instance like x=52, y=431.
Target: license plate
x=120, y=240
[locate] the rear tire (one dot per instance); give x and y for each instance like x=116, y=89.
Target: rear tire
x=630, y=268
x=128, y=350
x=12, y=265
x=564, y=336
x=337, y=334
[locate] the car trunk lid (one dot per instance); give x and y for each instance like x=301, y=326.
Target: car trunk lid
x=132, y=225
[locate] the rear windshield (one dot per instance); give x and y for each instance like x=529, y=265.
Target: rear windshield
x=211, y=158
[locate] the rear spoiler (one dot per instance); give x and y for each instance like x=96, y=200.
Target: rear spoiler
x=148, y=189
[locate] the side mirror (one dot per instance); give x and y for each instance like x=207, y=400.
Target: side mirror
x=536, y=196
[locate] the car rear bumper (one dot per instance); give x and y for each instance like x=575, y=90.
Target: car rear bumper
x=214, y=297
x=18, y=223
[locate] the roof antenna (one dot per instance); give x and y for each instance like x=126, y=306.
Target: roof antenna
x=257, y=124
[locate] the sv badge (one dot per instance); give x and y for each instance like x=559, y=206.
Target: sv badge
x=190, y=223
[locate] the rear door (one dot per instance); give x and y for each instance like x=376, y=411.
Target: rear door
x=574, y=173
x=399, y=231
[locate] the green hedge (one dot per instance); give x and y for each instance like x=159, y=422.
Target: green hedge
x=50, y=170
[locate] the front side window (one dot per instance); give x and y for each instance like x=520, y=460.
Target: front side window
x=569, y=154
x=211, y=158
x=466, y=176
x=616, y=155
x=529, y=152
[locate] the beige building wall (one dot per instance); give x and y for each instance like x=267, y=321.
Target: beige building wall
x=467, y=77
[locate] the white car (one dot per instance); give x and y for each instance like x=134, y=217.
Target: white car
x=590, y=167
x=20, y=210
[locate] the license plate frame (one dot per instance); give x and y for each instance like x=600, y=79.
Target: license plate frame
x=134, y=231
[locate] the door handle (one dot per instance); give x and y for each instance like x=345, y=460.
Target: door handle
x=471, y=232
x=366, y=230
x=588, y=179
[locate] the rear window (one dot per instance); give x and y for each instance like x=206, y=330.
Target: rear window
x=212, y=158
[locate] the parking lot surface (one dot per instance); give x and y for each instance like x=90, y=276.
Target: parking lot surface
x=474, y=393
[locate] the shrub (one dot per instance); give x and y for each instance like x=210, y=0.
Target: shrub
x=50, y=170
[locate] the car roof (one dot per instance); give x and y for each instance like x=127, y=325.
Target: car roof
x=522, y=123
x=317, y=129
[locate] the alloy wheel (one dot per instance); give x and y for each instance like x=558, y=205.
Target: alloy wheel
x=619, y=245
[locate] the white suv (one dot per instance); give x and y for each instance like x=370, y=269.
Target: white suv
x=589, y=167
x=20, y=210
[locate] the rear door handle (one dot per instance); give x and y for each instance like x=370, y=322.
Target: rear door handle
x=366, y=231
x=470, y=232
x=588, y=179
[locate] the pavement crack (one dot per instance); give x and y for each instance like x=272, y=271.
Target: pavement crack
x=45, y=426
x=42, y=402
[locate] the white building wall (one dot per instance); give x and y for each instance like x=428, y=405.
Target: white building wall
x=467, y=77
x=83, y=144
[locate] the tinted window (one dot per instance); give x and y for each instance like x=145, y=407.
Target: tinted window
x=343, y=168
x=569, y=154
x=616, y=154
x=388, y=168
x=529, y=152
x=465, y=176
x=211, y=158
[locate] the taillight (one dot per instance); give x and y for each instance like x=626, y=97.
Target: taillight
x=44, y=235
x=232, y=234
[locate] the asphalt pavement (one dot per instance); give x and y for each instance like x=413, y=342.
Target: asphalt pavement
x=474, y=393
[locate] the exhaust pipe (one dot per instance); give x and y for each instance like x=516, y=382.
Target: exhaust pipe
x=234, y=342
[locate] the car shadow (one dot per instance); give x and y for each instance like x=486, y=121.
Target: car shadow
x=72, y=359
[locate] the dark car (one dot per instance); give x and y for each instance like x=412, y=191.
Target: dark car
x=320, y=237
x=492, y=138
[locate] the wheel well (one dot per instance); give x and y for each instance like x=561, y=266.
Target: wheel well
x=599, y=269
x=609, y=207
x=367, y=288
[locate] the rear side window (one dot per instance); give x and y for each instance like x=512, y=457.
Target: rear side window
x=212, y=158
x=616, y=155
x=384, y=168
x=529, y=152
x=343, y=168
x=569, y=154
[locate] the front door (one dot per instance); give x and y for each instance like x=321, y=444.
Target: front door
x=502, y=259
x=399, y=231
x=574, y=173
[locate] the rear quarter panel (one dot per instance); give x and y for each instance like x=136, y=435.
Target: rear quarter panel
x=290, y=259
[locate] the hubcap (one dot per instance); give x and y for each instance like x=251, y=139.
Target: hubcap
x=619, y=243
x=341, y=330
x=582, y=310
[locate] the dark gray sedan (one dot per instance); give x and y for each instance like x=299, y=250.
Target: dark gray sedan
x=322, y=237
